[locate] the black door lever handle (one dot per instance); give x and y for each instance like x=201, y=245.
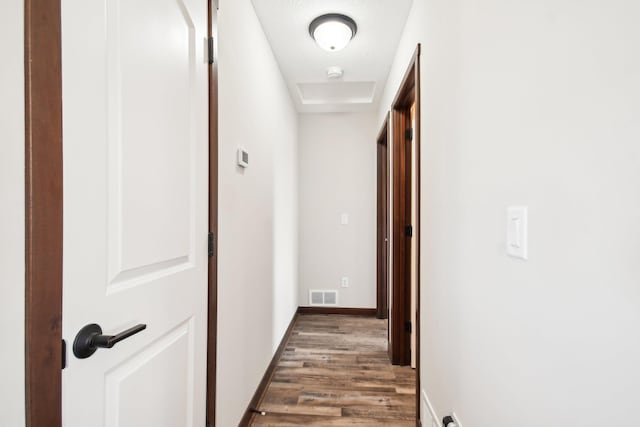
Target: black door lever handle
x=90, y=338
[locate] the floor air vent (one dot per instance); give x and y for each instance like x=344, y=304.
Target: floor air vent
x=323, y=297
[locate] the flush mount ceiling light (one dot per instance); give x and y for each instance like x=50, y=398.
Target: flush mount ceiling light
x=333, y=31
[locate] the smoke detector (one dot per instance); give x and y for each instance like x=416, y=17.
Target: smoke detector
x=335, y=73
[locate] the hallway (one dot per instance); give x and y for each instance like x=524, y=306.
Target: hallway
x=334, y=372
x=202, y=201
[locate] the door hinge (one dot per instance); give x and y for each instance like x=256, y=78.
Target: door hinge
x=210, y=244
x=407, y=327
x=210, y=49
x=64, y=354
x=409, y=134
x=409, y=230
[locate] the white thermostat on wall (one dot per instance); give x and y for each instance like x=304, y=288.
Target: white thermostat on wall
x=243, y=158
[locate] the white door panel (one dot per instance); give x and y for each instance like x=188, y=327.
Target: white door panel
x=171, y=355
x=150, y=93
x=135, y=135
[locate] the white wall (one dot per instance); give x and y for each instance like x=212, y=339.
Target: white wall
x=258, y=207
x=285, y=224
x=537, y=104
x=12, y=213
x=337, y=169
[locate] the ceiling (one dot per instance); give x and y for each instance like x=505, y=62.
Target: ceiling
x=366, y=60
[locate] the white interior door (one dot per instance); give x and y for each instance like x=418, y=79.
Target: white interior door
x=135, y=132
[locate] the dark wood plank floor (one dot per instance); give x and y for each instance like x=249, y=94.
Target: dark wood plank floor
x=335, y=372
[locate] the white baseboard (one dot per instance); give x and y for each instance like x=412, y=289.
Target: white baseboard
x=436, y=420
x=432, y=412
x=455, y=417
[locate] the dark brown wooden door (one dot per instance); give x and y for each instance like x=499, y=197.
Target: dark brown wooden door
x=382, y=305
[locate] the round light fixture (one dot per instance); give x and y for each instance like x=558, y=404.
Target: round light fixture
x=333, y=31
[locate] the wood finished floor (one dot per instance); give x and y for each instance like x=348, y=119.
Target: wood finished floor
x=335, y=372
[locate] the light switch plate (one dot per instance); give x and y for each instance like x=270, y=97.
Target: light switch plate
x=517, y=232
x=344, y=282
x=344, y=219
x=243, y=158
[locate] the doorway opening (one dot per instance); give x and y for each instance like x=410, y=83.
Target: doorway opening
x=382, y=237
x=404, y=315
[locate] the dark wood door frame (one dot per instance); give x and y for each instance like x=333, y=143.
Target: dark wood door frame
x=212, y=322
x=44, y=215
x=382, y=215
x=408, y=95
x=402, y=240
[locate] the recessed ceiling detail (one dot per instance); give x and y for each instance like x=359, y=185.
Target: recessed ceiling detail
x=336, y=93
x=366, y=60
